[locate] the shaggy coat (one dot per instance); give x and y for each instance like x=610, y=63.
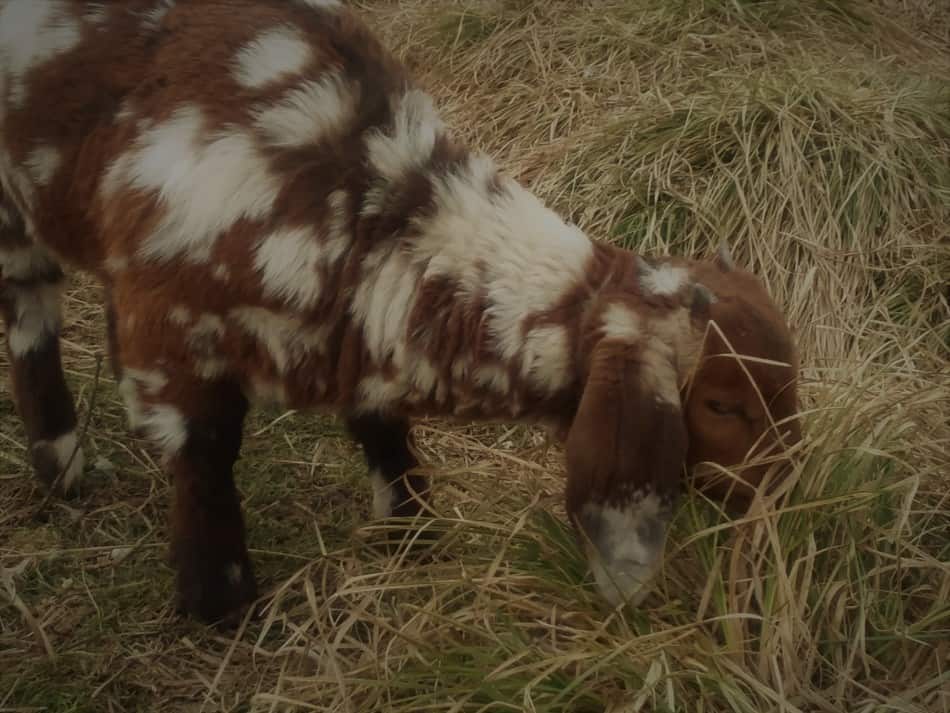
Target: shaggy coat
x=277, y=212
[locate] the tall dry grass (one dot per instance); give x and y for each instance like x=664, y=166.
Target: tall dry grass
x=815, y=138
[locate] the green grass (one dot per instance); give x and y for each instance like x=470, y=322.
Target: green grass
x=815, y=138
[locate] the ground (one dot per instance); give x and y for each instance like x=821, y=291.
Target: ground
x=815, y=138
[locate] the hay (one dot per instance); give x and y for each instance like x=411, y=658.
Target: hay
x=815, y=138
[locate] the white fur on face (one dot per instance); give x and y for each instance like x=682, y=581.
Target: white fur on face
x=33, y=32
x=659, y=375
x=627, y=546
x=36, y=318
x=206, y=183
x=622, y=323
x=63, y=449
x=663, y=280
x=273, y=55
x=312, y=112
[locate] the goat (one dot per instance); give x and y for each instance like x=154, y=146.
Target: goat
x=276, y=210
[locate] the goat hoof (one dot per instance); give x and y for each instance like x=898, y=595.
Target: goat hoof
x=215, y=591
x=51, y=470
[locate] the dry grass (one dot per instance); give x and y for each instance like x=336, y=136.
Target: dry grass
x=815, y=137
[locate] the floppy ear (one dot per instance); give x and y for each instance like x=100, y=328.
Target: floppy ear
x=625, y=454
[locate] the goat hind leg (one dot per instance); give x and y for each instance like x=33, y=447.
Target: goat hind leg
x=30, y=304
x=198, y=424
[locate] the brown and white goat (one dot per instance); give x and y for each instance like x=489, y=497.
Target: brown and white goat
x=275, y=210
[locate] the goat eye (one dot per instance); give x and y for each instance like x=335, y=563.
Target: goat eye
x=719, y=408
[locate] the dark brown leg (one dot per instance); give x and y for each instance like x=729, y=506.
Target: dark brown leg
x=214, y=574
x=385, y=442
x=30, y=305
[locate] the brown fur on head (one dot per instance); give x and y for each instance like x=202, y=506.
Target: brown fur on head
x=741, y=401
x=691, y=365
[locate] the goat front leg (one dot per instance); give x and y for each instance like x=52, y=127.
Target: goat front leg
x=385, y=440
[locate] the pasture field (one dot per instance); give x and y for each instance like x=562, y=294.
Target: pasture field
x=814, y=136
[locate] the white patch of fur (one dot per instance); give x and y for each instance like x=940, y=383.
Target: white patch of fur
x=210, y=368
x=493, y=378
x=383, y=303
x=621, y=323
x=287, y=340
x=272, y=55
x=203, y=340
x=546, y=359
x=622, y=561
x=42, y=163
x=683, y=337
x=287, y=261
x=408, y=144
x=165, y=425
x=511, y=248
x=375, y=393
x=664, y=279
x=134, y=410
x=33, y=32
x=206, y=183
x=151, y=381
x=309, y=113
x=384, y=496
x=221, y=272
x=659, y=373
x=423, y=377
x=179, y=315
x=126, y=111
x=63, y=448
x=234, y=573
x=132, y=385
x=37, y=318
x=208, y=327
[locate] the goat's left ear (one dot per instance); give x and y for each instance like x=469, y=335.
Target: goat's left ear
x=625, y=454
